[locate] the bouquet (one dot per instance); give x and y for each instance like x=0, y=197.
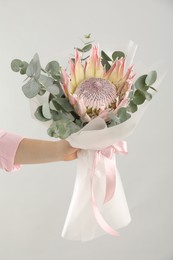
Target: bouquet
x=94, y=103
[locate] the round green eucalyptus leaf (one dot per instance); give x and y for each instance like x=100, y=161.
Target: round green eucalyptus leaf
x=34, y=67
x=87, y=48
x=123, y=115
x=51, y=105
x=151, y=77
x=41, y=92
x=55, y=106
x=144, y=88
x=78, y=122
x=16, y=65
x=39, y=115
x=46, y=111
x=132, y=107
x=53, y=68
x=64, y=103
x=140, y=82
x=24, y=66
x=138, y=97
x=45, y=80
x=118, y=54
x=53, y=89
x=62, y=128
x=55, y=115
x=31, y=88
x=148, y=96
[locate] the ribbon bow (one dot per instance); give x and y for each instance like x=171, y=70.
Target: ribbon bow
x=110, y=171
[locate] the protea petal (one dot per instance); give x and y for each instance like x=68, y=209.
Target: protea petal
x=73, y=78
x=128, y=73
x=79, y=107
x=79, y=69
x=121, y=68
x=72, y=99
x=108, y=73
x=90, y=69
x=104, y=114
x=99, y=69
x=65, y=80
x=86, y=118
x=126, y=90
x=114, y=74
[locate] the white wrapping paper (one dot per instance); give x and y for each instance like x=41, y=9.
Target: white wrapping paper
x=80, y=222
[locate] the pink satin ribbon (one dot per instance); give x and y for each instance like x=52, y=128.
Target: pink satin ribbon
x=110, y=171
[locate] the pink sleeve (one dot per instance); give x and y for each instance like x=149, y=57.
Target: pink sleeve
x=9, y=143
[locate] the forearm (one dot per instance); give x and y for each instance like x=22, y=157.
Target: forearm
x=38, y=151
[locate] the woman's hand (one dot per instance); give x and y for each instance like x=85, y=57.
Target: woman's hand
x=68, y=152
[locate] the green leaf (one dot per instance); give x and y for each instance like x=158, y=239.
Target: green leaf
x=62, y=128
x=19, y=66
x=114, y=119
x=78, y=122
x=64, y=103
x=138, y=97
x=132, y=107
x=53, y=68
x=153, y=88
x=140, y=82
x=31, y=88
x=34, y=67
x=24, y=66
x=87, y=36
x=55, y=115
x=105, y=56
x=151, y=78
x=105, y=60
x=51, y=105
x=105, y=64
x=85, y=58
x=55, y=106
x=130, y=96
x=45, y=80
x=86, y=48
x=148, y=96
x=41, y=92
x=53, y=89
x=123, y=115
x=46, y=111
x=16, y=65
x=49, y=85
x=118, y=54
x=39, y=115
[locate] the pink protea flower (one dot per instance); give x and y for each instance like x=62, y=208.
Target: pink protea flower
x=92, y=90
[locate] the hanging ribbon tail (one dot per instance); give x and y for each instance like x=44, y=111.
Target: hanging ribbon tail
x=110, y=180
x=100, y=220
x=110, y=188
x=110, y=173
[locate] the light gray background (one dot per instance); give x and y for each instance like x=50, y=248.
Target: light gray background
x=34, y=201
